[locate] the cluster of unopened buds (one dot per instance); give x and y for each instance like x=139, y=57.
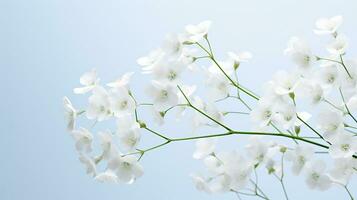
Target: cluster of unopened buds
x=325, y=85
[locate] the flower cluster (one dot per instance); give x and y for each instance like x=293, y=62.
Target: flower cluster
x=312, y=106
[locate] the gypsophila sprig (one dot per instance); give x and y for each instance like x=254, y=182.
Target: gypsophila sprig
x=320, y=144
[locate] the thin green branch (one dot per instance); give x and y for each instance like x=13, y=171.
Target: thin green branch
x=201, y=112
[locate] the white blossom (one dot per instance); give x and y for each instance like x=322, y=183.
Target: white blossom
x=168, y=70
x=89, y=165
x=285, y=82
x=259, y=151
x=107, y=177
x=240, y=57
x=343, y=170
x=330, y=122
x=107, y=144
x=328, y=76
x=285, y=116
x=173, y=45
x=200, y=183
x=204, y=147
x=121, y=82
x=99, y=105
x=149, y=61
x=299, y=157
x=196, y=32
x=343, y=146
x=70, y=113
x=300, y=53
x=262, y=114
x=121, y=103
x=126, y=168
x=89, y=80
x=328, y=25
x=338, y=46
x=316, y=177
x=83, y=140
x=164, y=95
x=310, y=90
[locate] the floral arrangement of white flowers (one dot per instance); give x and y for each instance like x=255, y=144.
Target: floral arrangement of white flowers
x=325, y=83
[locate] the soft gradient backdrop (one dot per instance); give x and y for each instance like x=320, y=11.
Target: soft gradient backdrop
x=45, y=45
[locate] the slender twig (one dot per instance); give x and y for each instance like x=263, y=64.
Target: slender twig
x=328, y=59
x=344, y=66
x=347, y=109
x=349, y=193
x=158, y=134
x=311, y=128
x=203, y=113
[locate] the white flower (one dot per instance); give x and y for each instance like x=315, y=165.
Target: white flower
x=158, y=116
x=200, y=183
x=89, y=80
x=172, y=45
x=107, y=144
x=168, y=70
x=129, y=139
x=328, y=25
x=285, y=82
x=128, y=132
x=300, y=53
x=259, y=151
x=338, y=46
x=239, y=58
x=107, y=177
x=99, y=105
x=217, y=83
x=237, y=169
x=164, y=95
x=343, y=170
x=316, y=178
x=214, y=164
x=330, y=122
x=274, y=167
x=218, y=86
x=197, y=32
x=299, y=157
x=352, y=103
x=149, y=61
x=310, y=90
x=70, y=112
x=121, y=103
x=328, y=76
x=285, y=116
x=123, y=81
x=126, y=168
x=83, y=140
x=262, y=114
x=89, y=164
x=204, y=147
x=220, y=183
x=343, y=146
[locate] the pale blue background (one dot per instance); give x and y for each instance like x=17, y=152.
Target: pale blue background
x=46, y=45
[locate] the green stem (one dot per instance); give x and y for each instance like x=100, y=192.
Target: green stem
x=228, y=77
x=347, y=109
x=349, y=193
x=344, y=66
x=201, y=112
x=311, y=128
